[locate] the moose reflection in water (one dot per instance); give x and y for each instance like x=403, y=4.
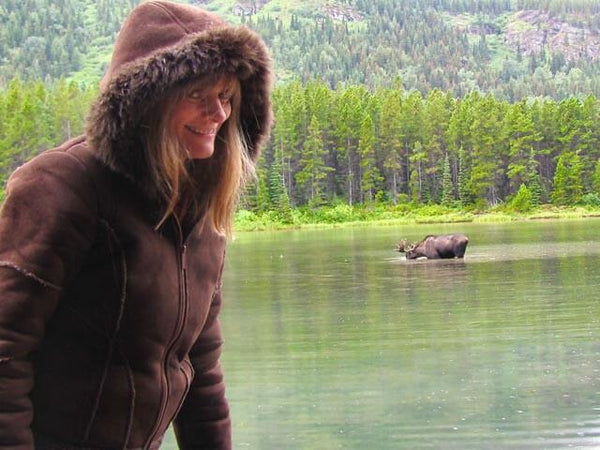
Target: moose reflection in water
x=436, y=247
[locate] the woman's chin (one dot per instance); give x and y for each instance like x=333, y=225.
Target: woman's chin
x=200, y=151
x=200, y=155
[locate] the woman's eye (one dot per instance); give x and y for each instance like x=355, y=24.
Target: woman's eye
x=199, y=96
x=195, y=94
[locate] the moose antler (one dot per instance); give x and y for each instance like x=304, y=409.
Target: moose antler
x=402, y=246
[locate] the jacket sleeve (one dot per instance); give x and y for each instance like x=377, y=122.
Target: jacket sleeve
x=45, y=225
x=204, y=422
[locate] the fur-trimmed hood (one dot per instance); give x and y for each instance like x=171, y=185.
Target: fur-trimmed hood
x=160, y=45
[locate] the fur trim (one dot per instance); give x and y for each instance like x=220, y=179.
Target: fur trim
x=114, y=120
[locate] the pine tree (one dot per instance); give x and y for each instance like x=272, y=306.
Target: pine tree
x=590, y=138
x=414, y=188
x=532, y=179
x=417, y=183
x=412, y=130
x=263, y=202
x=370, y=176
x=560, y=195
x=348, y=113
x=522, y=136
x=280, y=200
x=290, y=111
x=487, y=141
x=522, y=201
x=256, y=194
x=437, y=111
x=596, y=179
x=546, y=117
x=464, y=190
x=575, y=181
x=447, y=185
x=390, y=137
x=313, y=170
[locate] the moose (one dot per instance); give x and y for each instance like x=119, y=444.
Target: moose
x=436, y=247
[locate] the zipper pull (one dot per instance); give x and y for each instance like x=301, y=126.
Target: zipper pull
x=183, y=256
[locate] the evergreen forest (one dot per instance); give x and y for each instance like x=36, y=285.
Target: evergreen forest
x=379, y=102
x=509, y=48
x=357, y=146
x=393, y=146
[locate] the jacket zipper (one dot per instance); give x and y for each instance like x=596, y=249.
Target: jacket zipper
x=182, y=313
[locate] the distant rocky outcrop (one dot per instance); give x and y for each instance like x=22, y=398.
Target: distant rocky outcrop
x=532, y=31
x=342, y=12
x=248, y=7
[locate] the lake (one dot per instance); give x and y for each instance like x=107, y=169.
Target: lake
x=334, y=340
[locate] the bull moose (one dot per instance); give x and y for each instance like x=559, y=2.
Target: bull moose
x=436, y=247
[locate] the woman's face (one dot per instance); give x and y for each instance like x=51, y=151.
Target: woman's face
x=198, y=116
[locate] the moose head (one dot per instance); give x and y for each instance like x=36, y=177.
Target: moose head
x=402, y=247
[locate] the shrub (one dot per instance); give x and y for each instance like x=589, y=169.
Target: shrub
x=402, y=199
x=522, y=201
x=433, y=210
x=338, y=214
x=381, y=197
x=591, y=200
x=245, y=216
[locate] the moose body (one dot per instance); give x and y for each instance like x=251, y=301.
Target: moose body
x=436, y=247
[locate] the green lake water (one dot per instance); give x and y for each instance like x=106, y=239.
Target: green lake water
x=334, y=340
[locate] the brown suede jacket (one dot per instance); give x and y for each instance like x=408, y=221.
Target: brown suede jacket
x=109, y=328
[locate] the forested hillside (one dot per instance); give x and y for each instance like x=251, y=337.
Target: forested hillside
x=50, y=39
x=510, y=48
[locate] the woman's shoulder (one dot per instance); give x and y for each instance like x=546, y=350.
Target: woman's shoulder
x=58, y=173
x=72, y=162
x=69, y=156
x=49, y=214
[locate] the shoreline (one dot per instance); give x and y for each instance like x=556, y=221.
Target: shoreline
x=540, y=214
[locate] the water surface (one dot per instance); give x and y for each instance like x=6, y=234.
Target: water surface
x=334, y=340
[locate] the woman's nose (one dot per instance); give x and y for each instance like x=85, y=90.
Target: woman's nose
x=216, y=110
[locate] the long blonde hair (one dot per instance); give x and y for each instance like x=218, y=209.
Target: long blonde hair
x=195, y=188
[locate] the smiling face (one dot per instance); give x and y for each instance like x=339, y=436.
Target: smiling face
x=198, y=116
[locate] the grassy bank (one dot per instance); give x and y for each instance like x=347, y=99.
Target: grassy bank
x=345, y=215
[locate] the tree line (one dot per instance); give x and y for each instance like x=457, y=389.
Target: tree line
x=360, y=146
x=390, y=145
x=36, y=116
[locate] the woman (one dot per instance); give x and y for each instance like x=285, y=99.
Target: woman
x=112, y=245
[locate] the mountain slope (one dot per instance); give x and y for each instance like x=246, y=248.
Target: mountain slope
x=512, y=49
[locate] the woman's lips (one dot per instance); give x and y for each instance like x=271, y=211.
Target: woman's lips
x=201, y=132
